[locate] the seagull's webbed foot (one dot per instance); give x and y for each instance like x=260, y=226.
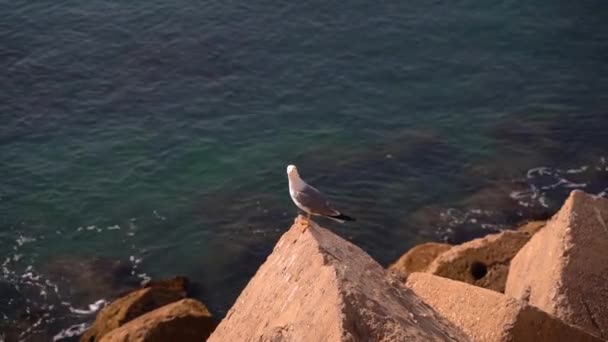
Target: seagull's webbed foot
x=307, y=223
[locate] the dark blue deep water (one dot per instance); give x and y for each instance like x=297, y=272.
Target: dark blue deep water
x=147, y=139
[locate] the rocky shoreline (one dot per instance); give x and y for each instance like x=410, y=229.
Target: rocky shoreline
x=544, y=281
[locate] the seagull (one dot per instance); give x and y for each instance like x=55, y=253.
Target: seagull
x=310, y=200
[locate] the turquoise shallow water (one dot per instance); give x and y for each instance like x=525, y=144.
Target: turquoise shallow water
x=158, y=134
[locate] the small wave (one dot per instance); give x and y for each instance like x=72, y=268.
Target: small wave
x=159, y=216
x=22, y=240
x=539, y=171
x=546, y=182
x=72, y=331
x=579, y=170
x=544, y=190
x=93, y=308
x=51, y=302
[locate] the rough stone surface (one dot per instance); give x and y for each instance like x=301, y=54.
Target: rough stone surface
x=418, y=258
x=127, y=308
x=489, y=316
x=177, y=284
x=316, y=286
x=531, y=227
x=483, y=262
x=186, y=320
x=563, y=270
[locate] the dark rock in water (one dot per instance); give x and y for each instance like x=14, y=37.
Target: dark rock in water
x=498, y=198
x=427, y=216
x=130, y=306
x=34, y=307
x=38, y=305
x=90, y=278
x=487, y=210
x=28, y=327
x=184, y=321
x=523, y=143
x=20, y=319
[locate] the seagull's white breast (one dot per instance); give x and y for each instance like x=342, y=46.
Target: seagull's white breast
x=292, y=193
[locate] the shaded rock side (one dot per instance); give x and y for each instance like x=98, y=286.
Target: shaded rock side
x=489, y=316
x=178, y=284
x=418, y=258
x=186, y=321
x=315, y=286
x=127, y=308
x=532, y=227
x=563, y=270
x=483, y=262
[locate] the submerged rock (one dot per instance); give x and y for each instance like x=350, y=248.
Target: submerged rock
x=23, y=318
x=186, y=321
x=488, y=210
x=316, y=286
x=87, y=279
x=28, y=327
x=563, y=270
x=489, y=316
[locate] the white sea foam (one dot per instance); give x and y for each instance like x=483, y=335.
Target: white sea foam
x=42, y=292
x=540, y=171
x=543, y=186
x=22, y=240
x=159, y=216
x=72, y=331
x=93, y=308
x=579, y=170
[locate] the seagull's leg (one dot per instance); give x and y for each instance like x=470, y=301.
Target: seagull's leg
x=307, y=222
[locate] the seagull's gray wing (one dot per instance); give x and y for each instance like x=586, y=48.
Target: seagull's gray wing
x=314, y=201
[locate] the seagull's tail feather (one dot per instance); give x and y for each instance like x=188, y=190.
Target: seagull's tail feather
x=342, y=218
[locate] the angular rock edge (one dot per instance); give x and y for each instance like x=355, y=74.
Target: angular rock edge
x=490, y=316
x=483, y=262
x=563, y=269
x=186, y=320
x=315, y=286
x=126, y=308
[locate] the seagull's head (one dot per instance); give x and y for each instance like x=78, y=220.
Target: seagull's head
x=292, y=170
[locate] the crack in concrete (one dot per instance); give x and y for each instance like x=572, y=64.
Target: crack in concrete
x=591, y=316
